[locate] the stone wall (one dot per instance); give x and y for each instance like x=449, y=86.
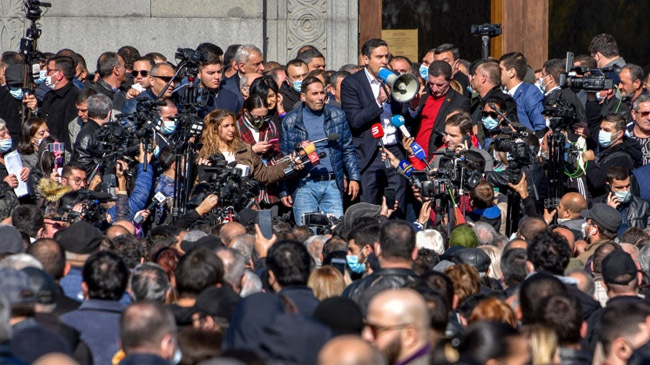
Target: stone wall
x=279, y=27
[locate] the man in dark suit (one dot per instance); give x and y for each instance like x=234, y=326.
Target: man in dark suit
x=528, y=97
x=249, y=60
x=430, y=111
x=366, y=101
x=553, y=93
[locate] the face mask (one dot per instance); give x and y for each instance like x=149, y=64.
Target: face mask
x=354, y=264
x=470, y=90
x=297, y=85
x=623, y=196
x=169, y=126
x=255, y=122
x=49, y=82
x=38, y=141
x=424, y=72
x=540, y=85
x=5, y=145
x=490, y=123
x=599, y=97
x=17, y=93
x=584, y=232
x=156, y=152
x=41, y=77
x=178, y=356
x=604, y=138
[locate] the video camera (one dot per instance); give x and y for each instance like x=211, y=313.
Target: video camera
x=588, y=79
x=490, y=30
x=562, y=114
x=456, y=172
x=518, y=153
x=91, y=209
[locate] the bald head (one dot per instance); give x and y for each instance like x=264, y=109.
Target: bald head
x=516, y=243
x=631, y=250
x=530, y=227
x=55, y=358
x=566, y=233
x=229, y=231
x=116, y=230
x=571, y=205
x=349, y=350
x=126, y=224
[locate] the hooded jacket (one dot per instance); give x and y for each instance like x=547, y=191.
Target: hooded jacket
x=627, y=154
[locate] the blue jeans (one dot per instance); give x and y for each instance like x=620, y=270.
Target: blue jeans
x=317, y=196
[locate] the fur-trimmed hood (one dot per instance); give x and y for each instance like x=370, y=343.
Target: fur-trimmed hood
x=51, y=190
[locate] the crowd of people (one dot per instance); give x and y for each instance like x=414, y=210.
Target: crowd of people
x=499, y=216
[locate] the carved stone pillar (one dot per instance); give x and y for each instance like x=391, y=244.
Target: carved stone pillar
x=12, y=26
x=329, y=25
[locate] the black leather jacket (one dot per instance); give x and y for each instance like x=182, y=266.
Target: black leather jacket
x=638, y=211
x=86, y=148
x=379, y=280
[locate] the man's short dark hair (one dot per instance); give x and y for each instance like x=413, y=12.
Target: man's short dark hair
x=533, y=290
x=397, y=240
x=605, y=44
x=621, y=319
x=617, y=173
x=160, y=237
x=129, y=54
x=636, y=72
x=310, y=54
x=600, y=253
x=530, y=227
x=334, y=79
x=442, y=284
x=105, y=275
x=51, y=255
x=517, y=61
x=66, y=65
x=554, y=67
x=549, y=252
x=144, y=325
x=84, y=94
x=198, y=270
x=371, y=44
x=308, y=81
x=446, y=47
x=149, y=282
x=365, y=235
x=633, y=235
x=209, y=58
x=106, y=62
x=401, y=58
x=619, y=122
x=513, y=267
x=229, y=56
x=12, y=58
x=563, y=314
x=130, y=249
x=296, y=63
x=290, y=262
x=28, y=218
x=210, y=47
x=438, y=68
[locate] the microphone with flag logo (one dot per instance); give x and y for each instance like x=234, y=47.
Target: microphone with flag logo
x=378, y=133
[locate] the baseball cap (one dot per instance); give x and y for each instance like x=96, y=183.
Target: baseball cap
x=619, y=268
x=604, y=215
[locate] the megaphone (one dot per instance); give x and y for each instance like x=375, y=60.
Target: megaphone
x=404, y=87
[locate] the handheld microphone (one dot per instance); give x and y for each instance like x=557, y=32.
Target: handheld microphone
x=405, y=169
x=420, y=154
x=378, y=133
x=330, y=138
x=314, y=159
x=398, y=121
x=157, y=199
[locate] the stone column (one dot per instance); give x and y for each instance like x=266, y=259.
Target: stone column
x=12, y=25
x=329, y=25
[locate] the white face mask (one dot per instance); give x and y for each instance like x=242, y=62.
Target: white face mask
x=50, y=82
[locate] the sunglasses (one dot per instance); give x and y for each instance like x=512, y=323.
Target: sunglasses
x=164, y=78
x=144, y=73
x=491, y=114
x=643, y=114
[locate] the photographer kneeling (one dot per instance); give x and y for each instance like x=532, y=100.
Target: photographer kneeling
x=616, y=150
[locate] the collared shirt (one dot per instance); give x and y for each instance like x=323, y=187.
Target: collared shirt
x=389, y=138
x=512, y=91
x=550, y=91
x=423, y=352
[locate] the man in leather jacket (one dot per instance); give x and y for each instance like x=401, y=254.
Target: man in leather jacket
x=86, y=148
x=396, y=251
x=634, y=210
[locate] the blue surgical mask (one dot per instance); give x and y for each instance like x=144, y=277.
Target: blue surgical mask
x=16, y=92
x=168, y=127
x=424, y=72
x=41, y=77
x=156, y=152
x=623, y=196
x=5, y=145
x=599, y=97
x=490, y=123
x=470, y=90
x=297, y=85
x=354, y=264
x=604, y=138
x=540, y=85
x=178, y=356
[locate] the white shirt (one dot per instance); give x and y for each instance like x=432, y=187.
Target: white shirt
x=512, y=91
x=389, y=138
x=229, y=156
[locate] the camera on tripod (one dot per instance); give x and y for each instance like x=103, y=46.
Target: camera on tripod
x=455, y=172
x=490, y=30
x=562, y=114
x=518, y=154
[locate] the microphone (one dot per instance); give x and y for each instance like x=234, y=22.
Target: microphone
x=405, y=169
x=314, y=158
x=378, y=133
x=330, y=138
x=398, y=121
x=157, y=199
x=420, y=154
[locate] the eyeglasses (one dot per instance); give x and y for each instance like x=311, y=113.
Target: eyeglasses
x=164, y=78
x=491, y=114
x=376, y=329
x=144, y=73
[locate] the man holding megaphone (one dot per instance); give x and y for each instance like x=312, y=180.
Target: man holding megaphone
x=370, y=98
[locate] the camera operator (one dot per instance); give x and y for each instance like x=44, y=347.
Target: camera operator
x=549, y=83
x=128, y=204
x=458, y=136
x=601, y=104
x=86, y=147
x=616, y=150
x=491, y=124
x=167, y=126
x=635, y=211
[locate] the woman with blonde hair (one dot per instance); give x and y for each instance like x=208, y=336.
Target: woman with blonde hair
x=542, y=342
x=220, y=137
x=495, y=261
x=326, y=282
